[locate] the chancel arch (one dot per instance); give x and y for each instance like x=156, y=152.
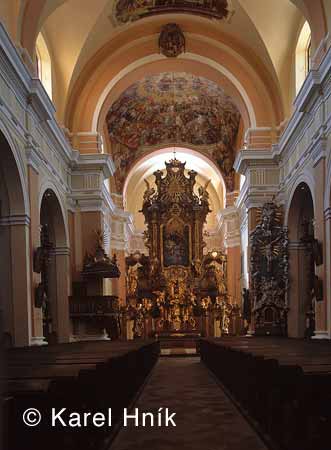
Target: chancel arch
x=154, y=160
x=173, y=108
x=195, y=64
x=207, y=172
x=15, y=299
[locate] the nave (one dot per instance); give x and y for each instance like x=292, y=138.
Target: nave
x=252, y=393
x=165, y=181
x=95, y=376
x=205, y=416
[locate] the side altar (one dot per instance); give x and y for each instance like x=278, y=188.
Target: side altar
x=177, y=290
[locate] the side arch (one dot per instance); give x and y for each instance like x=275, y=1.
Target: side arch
x=15, y=254
x=306, y=178
x=49, y=185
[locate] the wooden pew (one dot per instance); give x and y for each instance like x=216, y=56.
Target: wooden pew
x=284, y=384
x=90, y=376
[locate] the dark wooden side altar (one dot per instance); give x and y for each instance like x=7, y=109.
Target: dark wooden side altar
x=181, y=290
x=269, y=268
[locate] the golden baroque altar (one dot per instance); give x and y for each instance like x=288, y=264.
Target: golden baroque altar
x=178, y=285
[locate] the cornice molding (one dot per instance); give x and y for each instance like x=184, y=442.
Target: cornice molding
x=327, y=214
x=247, y=158
x=15, y=220
x=19, y=74
x=60, y=251
x=318, y=150
x=31, y=95
x=33, y=157
x=308, y=99
x=94, y=161
x=40, y=101
x=296, y=245
x=308, y=91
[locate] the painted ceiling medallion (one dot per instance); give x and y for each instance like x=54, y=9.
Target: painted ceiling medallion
x=171, y=41
x=131, y=10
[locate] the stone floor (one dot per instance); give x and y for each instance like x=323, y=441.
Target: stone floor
x=205, y=417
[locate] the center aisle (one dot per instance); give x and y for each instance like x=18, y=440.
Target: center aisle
x=205, y=417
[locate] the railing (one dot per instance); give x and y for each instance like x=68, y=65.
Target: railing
x=97, y=305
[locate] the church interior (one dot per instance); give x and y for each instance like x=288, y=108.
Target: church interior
x=165, y=224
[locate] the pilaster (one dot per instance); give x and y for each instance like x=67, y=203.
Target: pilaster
x=320, y=231
x=34, y=163
x=230, y=223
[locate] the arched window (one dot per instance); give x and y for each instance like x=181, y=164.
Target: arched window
x=302, y=56
x=44, y=64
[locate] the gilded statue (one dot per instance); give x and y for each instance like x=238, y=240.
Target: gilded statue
x=225, y=310
x=203, y=193
x=196, y=267
x=139, y=317
x=206, y=302
x=149, y=193
x=132, y=279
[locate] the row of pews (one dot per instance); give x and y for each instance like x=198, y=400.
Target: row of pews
x=283, y=384
x=82, y=377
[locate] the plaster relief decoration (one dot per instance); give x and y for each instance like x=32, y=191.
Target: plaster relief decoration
x=173, y=109
x=270, y=272
x=171, y=41
x=126, y=11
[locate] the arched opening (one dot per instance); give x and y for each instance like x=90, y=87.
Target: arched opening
x=54, y=285
x=14, y=256
x=302, y=56
x=173, y=109
x=44, y=64
x=302, y=295
x=134, y=188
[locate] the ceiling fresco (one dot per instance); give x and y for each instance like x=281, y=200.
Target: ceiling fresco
x=173, y=108
x=131, y=10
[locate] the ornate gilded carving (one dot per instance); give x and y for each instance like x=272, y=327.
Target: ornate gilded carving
x=178, y=286
x=270, y=271
x=171, y=41
x=175, y=216
x=131, y=10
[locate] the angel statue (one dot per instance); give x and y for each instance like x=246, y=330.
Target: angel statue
x=149, y=193
x=203, y=194
x=100, y=237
